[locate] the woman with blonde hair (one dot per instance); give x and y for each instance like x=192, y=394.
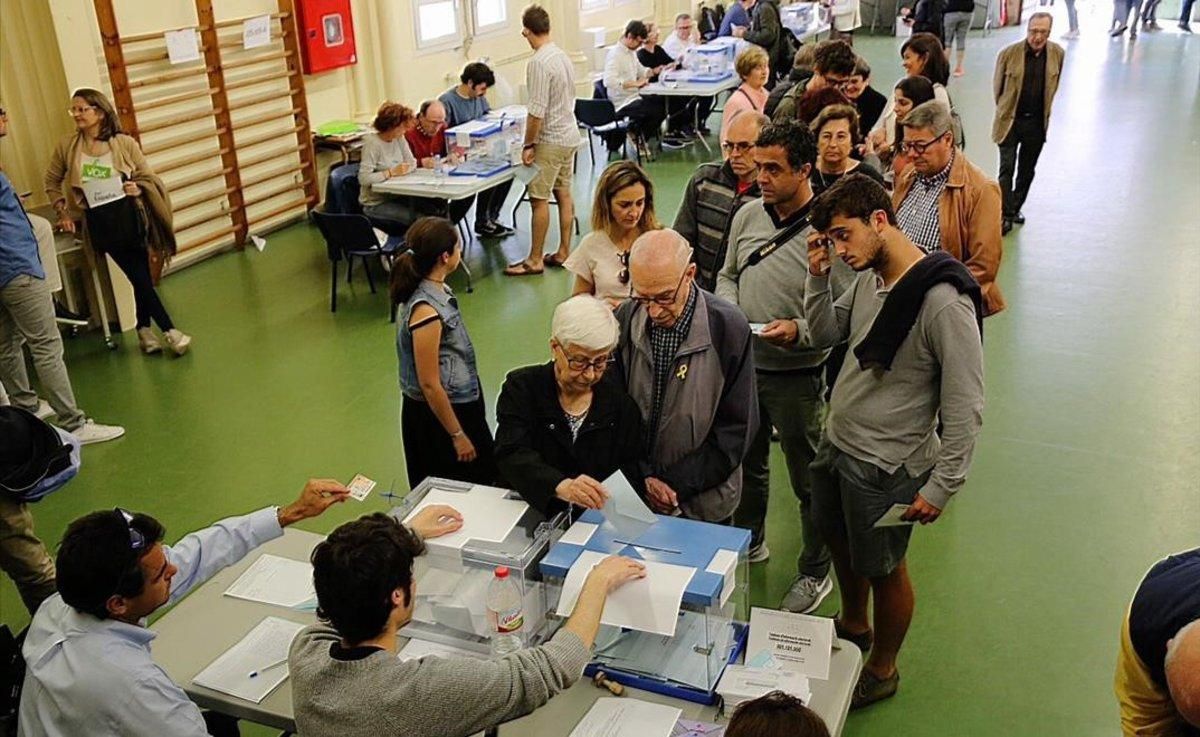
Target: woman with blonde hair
x=754, y=67
x=623, y=209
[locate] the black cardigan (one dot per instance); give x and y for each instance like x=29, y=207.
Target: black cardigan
x=533, y=441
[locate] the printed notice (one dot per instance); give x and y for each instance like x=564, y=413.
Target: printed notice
x=795, y=642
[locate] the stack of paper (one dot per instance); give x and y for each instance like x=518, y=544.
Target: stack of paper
x=487, y=515
x=741, y=683
x=627, y=717
x=277, y=581
x=253, y=667
x=649, y=604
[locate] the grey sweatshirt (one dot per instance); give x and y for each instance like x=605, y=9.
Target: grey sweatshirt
x=773, y=289
x=378, y=156
x=889, y=418
x=450, y=697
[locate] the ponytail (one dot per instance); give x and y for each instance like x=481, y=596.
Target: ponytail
x=427, y=239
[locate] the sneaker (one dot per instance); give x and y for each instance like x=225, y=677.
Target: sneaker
x=759, y=553
x=503, y=230
x=1185, y=27
x=1070, y=35
x=92, y=432
x=148, y=341
x=871, y=688
x=1118, y=31
x=673, y=144
x=178, y=341
x=806, y=594
x=44, y=411
x=487, y=230
x=1019, y=218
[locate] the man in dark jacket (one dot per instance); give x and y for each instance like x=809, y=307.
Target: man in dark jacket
x=715, y=193
x=834, y=63
x=766, y=31
x=566, y=426
x=685, y=358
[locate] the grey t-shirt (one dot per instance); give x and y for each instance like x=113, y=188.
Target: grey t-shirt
x=461, y=110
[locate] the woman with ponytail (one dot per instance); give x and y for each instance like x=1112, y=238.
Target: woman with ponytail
x=442, y=419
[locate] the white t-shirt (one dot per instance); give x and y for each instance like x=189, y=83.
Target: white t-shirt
x=598, y=261
x=101, y=180
x=677, y=47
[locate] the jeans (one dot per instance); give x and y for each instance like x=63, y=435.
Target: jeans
x=1185, y=12
x=1019, y=152
x=794, y=403
x=22, y=556
x=1072, y=16
x=27, y=314
x=645, y=115
x=1121, y=10
x=135, y=264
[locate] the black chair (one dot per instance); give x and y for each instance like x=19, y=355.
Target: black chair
x=348, y=236
x=599, y=118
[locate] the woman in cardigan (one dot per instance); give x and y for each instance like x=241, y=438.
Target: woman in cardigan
x=562, y=428
x=100, y=176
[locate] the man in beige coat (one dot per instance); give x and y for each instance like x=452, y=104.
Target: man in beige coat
x=1026, y=80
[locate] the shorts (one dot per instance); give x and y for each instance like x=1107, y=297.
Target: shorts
x=955, y=26
x=555, y=165
x=848, y=498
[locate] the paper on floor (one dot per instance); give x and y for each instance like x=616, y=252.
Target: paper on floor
x=275, y=580
x=258, y=652
x=627, y=717
x=486, y=516
x=649, y=604
x=624, y=509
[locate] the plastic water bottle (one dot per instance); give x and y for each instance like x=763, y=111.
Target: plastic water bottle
x=439, y=168
x=505, y=615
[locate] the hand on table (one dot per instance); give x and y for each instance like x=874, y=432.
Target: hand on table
x=922, y=511
x=436, y=520
x=780, y=332
x=582, y=490
x=317, y=496
x=661, y=496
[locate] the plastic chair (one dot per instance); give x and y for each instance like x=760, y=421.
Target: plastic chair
x=348, y=236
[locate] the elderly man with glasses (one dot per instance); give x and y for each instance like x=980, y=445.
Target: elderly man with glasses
x=716, y=192
x=685, y=357
x=87, y=654
x=944, y=202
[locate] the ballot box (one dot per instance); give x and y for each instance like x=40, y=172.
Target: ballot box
x=452, y=578
x=674, y=631
x=713, y=57
x=483, y=147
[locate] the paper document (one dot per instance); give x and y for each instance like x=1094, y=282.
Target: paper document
x=757, y=327
x=182, y=46
x=259, y=242
x=526, y=174
x=256, y=32
x=277, y=581
x=253, y=667
x=485, y=516
x=741, y=683
x=692, y=728
x=724, y=562
x=104, y=189
x=624, y=509
x=649, y=604
x=578, y=534
x=423, y=648
x=360, y=486
x=891, y=518
x=786, y=641
x=627, y=717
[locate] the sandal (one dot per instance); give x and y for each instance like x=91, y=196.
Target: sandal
x=552, y=261
x=521, y=269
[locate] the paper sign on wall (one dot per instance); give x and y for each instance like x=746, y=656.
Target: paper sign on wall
x=182, y=46
x=256, y=32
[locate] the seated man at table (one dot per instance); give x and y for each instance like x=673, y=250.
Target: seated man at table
x=347, y=680
x=427, y=141
x=87, y=655
x=624, y=77
x=464, y=103
x=563, y=427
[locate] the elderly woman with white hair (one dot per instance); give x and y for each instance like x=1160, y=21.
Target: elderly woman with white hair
x=563, y=427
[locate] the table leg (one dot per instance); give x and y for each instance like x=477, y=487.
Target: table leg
x=466, y=244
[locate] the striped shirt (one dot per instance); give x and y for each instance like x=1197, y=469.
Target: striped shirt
x=918, y=213
x=550, y=79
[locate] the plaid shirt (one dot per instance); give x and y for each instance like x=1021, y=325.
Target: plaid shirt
x=918, y=213
x=664, y=344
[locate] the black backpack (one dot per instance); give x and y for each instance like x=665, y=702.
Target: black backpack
x=12, y=678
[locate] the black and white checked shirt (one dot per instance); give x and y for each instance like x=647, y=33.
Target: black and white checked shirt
x=664, y=344
x=918, y=213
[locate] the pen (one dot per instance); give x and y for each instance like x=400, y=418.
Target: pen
x=265, y=668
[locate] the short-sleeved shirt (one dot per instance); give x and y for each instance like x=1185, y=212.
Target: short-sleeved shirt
x=550, y=80
x=461, y=109
x=598, y=261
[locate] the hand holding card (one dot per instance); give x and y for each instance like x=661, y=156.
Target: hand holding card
x=359, y=487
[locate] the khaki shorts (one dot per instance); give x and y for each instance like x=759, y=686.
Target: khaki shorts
x=555, y=164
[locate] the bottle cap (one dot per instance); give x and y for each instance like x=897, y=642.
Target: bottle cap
x=501, y=571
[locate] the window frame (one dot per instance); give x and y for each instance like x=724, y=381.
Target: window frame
x=491, y=28
x=441, y=43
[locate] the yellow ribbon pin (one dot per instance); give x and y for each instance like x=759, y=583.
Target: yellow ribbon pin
x=682, y=372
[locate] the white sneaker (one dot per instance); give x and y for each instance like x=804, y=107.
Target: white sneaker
x=44, y=411
x=1070, y=35
x=806, y=594
x=148, y=341
x=178, y=341
x=92, y=432
x=759, y=553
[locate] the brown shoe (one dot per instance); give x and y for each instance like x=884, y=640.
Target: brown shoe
x=871, y=688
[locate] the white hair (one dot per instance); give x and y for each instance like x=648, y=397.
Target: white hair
x=585, y=322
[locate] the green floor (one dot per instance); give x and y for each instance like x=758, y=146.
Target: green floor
x=1086, y=471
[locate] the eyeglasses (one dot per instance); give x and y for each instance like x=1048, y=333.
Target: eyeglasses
x=80, y=110
x=137, y=541
x=740, y=147
x=919, y=147
x=661, y=300
x=580, y=365
x=838, y=82
x=623, y=274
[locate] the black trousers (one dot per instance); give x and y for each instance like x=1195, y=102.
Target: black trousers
x=429, y=451
x=645, y=115
x=135, y=264
x=1019, y=153
x=489, y=202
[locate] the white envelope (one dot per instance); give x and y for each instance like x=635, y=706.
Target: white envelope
x=624, y=509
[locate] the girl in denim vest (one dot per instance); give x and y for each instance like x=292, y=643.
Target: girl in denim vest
x=442, y=419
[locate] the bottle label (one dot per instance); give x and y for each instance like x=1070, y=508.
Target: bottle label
x=509, y=621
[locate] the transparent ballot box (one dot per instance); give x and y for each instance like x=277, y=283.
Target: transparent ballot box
x=452, y=578
x=712, y=57
x=709, y=629
x=484, y=147
x=802, y=17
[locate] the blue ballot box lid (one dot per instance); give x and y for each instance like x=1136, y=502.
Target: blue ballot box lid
x=675, y=540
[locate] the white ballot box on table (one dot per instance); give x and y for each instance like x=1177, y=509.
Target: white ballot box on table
x=484, y=147
x=674, y=631
x=452, y=578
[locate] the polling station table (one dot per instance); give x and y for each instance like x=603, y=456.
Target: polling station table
x=686, y=88
x=207, y=623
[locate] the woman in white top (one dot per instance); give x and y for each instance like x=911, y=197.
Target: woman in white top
x=386, y=155
x=921, y=56
x=623, y=209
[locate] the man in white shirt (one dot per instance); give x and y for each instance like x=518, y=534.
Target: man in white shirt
x=683, y=39
x=87, y=654
x=551, y=139
x=624, y=76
